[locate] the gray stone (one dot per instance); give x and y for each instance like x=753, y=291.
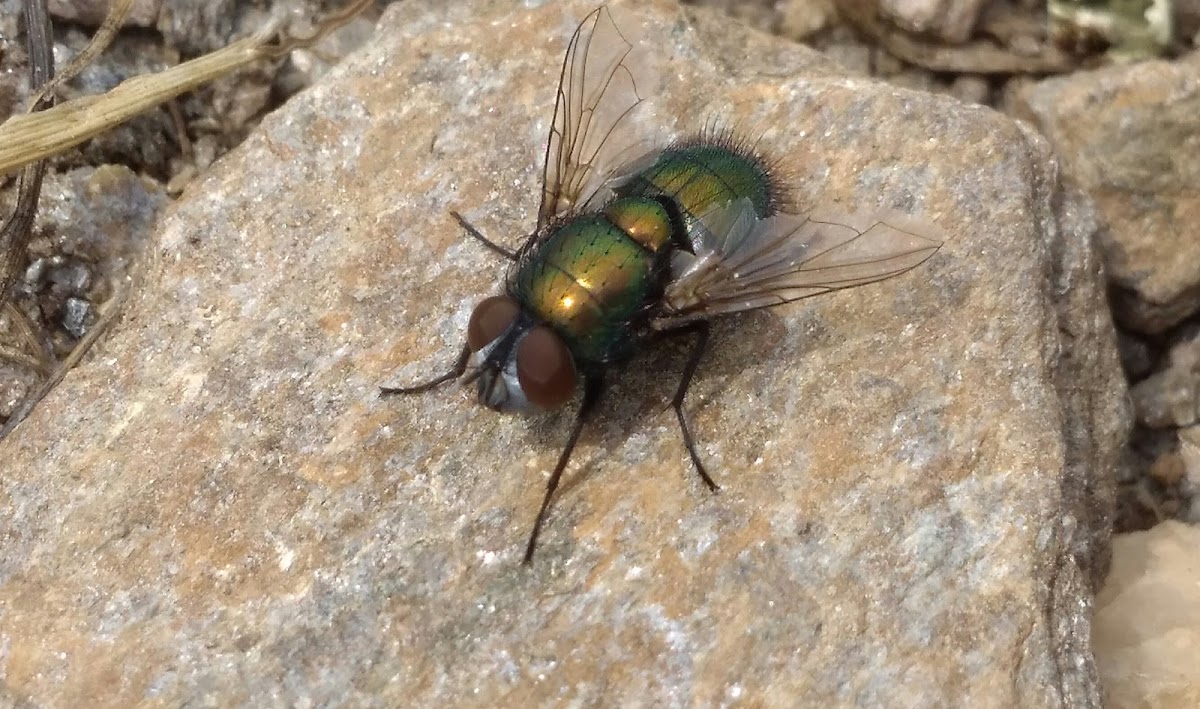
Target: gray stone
x=1171, y=396
x=950, y=20
x=971, y=89
x=197, y=27
x=92, y=223
x=13, y=60
x=217, y=507
x=1129, y=136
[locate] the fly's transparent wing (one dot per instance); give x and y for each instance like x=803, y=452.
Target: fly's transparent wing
x=647, y=149
x=606, y=77
x=743, y=263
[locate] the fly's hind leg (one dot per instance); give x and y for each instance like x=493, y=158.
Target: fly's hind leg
x=592, y=387
x=470, y=229
x=700, y=330
x=460, y=366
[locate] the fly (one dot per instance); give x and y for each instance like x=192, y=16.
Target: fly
x=626, y=252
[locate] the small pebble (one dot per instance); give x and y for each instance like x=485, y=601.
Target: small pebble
x=1168, y=469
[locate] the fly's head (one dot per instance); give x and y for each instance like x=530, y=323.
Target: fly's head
x=520, y=365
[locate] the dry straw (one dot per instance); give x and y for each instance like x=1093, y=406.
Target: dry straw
x=29, y=137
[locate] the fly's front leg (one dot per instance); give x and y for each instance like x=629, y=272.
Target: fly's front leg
x=700, y=329
x=460, y=366
x=592, y=387
x=470, y=229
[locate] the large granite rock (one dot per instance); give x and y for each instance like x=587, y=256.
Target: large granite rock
x=218, y=508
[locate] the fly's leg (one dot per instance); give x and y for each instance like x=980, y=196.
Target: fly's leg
x=700, y=329
x=592, y=388
x=470, y=229
x=460, y=366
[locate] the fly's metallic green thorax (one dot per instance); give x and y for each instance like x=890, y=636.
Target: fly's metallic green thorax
x=589, y=279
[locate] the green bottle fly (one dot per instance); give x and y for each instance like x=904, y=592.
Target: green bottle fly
x=628, y=252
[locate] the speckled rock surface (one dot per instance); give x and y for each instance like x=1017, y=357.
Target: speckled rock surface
x=1129, y=136
x=217, y=507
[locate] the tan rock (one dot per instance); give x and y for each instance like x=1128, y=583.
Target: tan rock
x=1128, y=135
x=217, y=507
x=1168, y=469
x=800, y=19
x=1147, y=630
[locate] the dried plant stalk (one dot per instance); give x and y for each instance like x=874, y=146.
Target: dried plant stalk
x=26, y=138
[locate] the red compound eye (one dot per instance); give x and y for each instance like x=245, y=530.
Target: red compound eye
x=491, y=319
x=545, y=368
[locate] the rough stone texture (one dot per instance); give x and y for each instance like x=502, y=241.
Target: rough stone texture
x=1171, y=396
x=218, y=508
x=1189, y=453
x=951, y=20
x=1148, y=619
x=1129, y=136
x=92, y=223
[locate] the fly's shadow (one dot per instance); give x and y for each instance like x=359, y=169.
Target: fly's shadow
x=641, y=393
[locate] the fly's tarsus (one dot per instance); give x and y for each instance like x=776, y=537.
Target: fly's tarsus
x=460, y=366
x=592, y=389
x=700, y=329
x=470, y=229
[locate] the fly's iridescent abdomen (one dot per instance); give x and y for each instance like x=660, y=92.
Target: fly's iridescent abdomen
x=707, y=172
